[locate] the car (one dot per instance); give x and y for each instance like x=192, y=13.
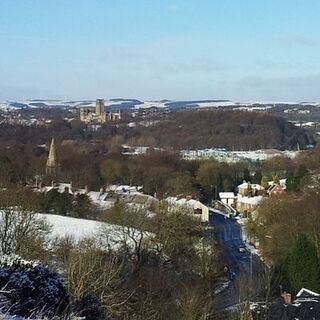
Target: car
x=242, y=249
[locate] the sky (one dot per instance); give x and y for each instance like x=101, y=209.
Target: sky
x=266, y=50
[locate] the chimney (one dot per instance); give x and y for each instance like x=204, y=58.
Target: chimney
x=286, y=297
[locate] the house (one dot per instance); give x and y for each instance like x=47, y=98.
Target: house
x=106, y=197
x=249, y=189
x=275, y=189
x=195, y=207
x=305, y=306
x=227, y=198
x=247, y=205
x=139, y=201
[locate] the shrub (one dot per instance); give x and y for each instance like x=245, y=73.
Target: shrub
x=30, y=288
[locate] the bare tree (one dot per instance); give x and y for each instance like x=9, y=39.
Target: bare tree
x=92, y=271
x=130, y=235
x=21, y=230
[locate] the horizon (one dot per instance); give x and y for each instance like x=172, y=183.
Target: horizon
x=208, y=100
x=173, y=49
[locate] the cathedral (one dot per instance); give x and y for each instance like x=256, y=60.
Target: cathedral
x=98, y=114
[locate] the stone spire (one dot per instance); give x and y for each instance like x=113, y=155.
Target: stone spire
x=52, y=162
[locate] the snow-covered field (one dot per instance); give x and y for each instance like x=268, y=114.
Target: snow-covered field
x=109, y=235
x=113, y=236
x=77, y=228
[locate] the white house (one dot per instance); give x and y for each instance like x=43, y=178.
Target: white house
x=227, y=198
x=247, y=188
x=195, y=207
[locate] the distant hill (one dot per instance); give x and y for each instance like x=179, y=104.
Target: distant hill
x=120, y=103
x=234, y=130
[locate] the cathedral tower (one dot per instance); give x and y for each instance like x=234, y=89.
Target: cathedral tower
x=100, y=107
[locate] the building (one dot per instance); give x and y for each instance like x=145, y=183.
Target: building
x=52, y=166
x=227, y=198
x=305, y=306
x=248, y=205
x=249, y=189
x=275, y=189
x=105, y=198
x=195, y=207
x=98, y=114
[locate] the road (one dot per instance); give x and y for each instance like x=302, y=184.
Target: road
x=243, y=265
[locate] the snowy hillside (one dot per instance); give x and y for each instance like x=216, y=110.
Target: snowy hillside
x=139, y=104
x=81, y=228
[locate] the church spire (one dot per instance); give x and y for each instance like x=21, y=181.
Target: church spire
x=52, y=162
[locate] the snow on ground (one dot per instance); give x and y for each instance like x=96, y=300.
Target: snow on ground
x=223, y=286
x=215, y=104
x=250, y=247
x=12, y=317
x=234, y=156
x=151, y=104
x=305, y=124
x=6, y=106
x=136, y=104
x=77, y=228
x=113, y=236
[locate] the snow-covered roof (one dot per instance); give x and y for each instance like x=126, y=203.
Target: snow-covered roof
x=97, y=196
x=64, y=186
x=138, y=198
x=191, y=203
x=247, y=185
x=307, y=291
x=100, y=199
x=123, y=188
x=282, y=182
x=226, y=195
x=250, y=200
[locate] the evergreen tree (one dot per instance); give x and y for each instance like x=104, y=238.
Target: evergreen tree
x=264, y=182
x=83, y=206
x=276, y=179
x=257, y=177
x=291, y=182
x=301, y=172
x=246, y=175
x=303, y=267
x=295, y=177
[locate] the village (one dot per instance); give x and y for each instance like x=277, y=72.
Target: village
x=239, y=205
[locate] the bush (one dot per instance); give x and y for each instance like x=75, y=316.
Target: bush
x=90, y=308
x=30, y=288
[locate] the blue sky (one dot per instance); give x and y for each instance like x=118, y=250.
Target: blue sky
x=157, y=49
